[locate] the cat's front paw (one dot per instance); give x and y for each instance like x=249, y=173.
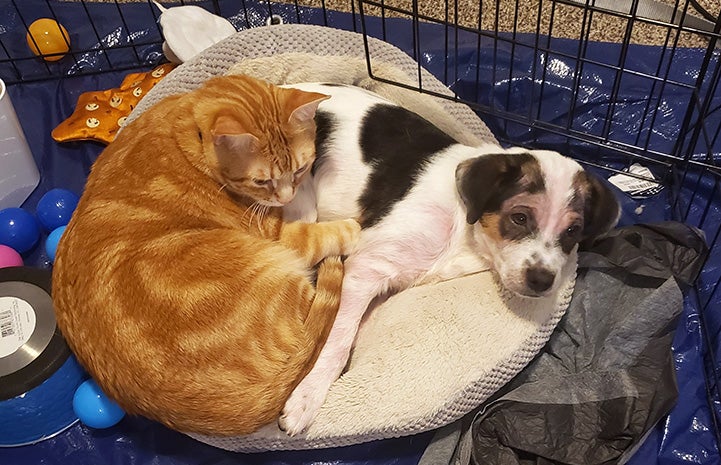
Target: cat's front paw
x=349, y=236
x=302, y=407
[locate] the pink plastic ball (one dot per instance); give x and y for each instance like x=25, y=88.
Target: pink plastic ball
x=9, y=257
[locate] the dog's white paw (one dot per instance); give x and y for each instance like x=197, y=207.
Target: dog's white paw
x=301, y=407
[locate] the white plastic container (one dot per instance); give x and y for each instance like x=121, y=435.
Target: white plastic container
x=19, y=174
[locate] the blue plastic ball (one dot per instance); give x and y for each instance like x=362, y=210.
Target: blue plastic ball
x=56, y=207
x=94, y=408
x=51, y=243
x=18, y=229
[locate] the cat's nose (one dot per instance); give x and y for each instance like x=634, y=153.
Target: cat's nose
x=284, y=195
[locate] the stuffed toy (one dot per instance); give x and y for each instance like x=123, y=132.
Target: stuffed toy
x=100, y=114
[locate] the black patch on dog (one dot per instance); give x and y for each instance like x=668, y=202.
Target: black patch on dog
x=487, y=181
x=325, y=125
x=397, y=143
x=601, y=209
x=573, y=234
x=570, y=237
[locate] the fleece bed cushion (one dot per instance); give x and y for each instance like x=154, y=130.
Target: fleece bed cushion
x=430, y=354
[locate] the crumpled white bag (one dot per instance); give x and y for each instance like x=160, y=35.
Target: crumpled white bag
x=189, y=29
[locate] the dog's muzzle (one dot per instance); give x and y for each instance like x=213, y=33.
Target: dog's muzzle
x=539, y=280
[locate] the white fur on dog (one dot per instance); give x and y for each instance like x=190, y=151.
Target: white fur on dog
x=430, y=354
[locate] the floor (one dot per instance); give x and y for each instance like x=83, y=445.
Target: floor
x=560, y=19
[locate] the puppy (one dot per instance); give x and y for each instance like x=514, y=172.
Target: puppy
x=433, y=209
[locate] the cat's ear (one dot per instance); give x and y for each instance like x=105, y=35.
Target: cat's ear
x=243, y=143
x=230, y=134
x=303, y=105
x=226, y=124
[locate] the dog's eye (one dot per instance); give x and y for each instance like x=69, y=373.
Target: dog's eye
x=519, y=218
x=573, y=230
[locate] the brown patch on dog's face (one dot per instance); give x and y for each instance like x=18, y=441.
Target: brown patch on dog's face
x=490, y=224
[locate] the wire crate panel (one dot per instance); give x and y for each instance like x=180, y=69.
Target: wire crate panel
x=607, y=82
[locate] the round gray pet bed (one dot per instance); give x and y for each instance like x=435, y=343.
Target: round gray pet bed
x=430, y=354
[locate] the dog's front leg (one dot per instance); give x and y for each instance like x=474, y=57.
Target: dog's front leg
x=364, y=279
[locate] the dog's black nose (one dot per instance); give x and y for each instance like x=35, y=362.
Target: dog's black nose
x=539, y=279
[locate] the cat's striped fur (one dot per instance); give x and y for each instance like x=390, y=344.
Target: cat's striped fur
x=177, y=284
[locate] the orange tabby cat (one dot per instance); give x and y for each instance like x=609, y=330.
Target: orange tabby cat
x=177, y=284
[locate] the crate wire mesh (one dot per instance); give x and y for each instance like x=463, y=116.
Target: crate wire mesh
x=125, y=34
x=611, y=83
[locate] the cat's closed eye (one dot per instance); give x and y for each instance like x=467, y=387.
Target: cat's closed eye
x=263, y=182
x=301, y=170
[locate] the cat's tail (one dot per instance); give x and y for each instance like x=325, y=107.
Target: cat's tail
x=325, y=304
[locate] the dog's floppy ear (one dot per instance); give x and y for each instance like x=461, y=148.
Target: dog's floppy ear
x=486, y=181
x=601, y=209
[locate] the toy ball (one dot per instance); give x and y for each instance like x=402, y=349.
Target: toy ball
x=49, y=38
x=18, y=229
x=94, y=408
x=56, y=207
x=9, y=257
x=51, y=243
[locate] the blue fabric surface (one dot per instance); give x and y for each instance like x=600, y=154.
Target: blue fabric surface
x=136, y=441
x=687, y=434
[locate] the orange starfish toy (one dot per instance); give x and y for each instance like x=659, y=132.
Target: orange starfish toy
x=100, y=114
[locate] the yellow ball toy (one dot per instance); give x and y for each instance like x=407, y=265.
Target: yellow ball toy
x=48, y=37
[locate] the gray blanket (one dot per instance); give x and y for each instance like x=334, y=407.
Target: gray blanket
x=606, y=375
